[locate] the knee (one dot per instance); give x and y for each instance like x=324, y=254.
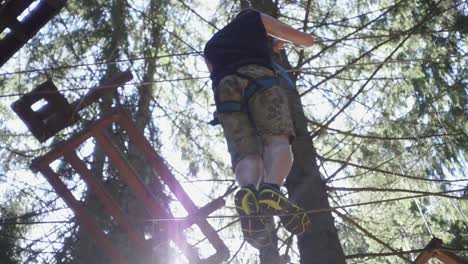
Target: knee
x=249, y=170
x=252, y=158
x=276, y=140
x=249, y=161
x=278, y=145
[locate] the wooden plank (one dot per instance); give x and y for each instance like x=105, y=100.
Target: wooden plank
x=74, y=141
x=434, y=249
x=11, y=10
x=85, y=217
x=106, y=199
x=159, y=165
x=170, y=230
x=31, y=24
x=447, y=257
x=106, y=88
x=128, y=174
x=424, y=257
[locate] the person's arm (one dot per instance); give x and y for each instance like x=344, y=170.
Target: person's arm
x=280, y=30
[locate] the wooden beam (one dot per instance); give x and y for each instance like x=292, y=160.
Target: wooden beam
x=435, y=249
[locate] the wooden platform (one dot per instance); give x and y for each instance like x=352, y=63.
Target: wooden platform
x=56, y=113
x=435, y=249
x=15, y=31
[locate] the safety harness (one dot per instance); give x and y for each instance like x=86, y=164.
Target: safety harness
x=254, y=85
x=285, y=76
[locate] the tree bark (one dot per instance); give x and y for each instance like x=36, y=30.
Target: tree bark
x=304, y=183
x=120, y=191
x=306, y=186
x=84, y=244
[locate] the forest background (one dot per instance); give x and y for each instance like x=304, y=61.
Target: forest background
x=382, y=99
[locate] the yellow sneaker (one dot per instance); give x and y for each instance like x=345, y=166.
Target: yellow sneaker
x=254, y=230
x=293, y=217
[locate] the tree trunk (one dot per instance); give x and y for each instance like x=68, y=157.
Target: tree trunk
x=270, y=254
x=84, y=245
x=113, y=183
x=304, y=183
x=305, y=186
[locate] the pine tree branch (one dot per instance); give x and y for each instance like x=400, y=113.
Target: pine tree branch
x=324, y=210
x=408, y=33
x=237, y=252
x=393, y=34
x=377, y=137
x=304, y=28
x=405, y=252
x=198, y=15
x=35, y=222
x=375, y=189
x=343, y=166
x=414, y=60
x=370, y=235
x=350, y=34
x=218, y=230
x=321, y=23
x=374, y=255
x=361, y=89
x=375, y=169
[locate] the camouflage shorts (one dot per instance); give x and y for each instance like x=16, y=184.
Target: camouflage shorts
x=267, y=114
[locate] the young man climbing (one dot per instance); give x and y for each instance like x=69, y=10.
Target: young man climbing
x=253, y=111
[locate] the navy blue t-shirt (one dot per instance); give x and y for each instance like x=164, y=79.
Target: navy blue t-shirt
x=243, y=41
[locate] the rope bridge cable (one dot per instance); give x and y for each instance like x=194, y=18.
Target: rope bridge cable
x=408, y=33
x=303, y=70
x=313, y=211
x=169, y=55
x=105, y=86
x=198, y=15
x=194, y=52
x=6, y=223
x=102, y=63
x=387, y=254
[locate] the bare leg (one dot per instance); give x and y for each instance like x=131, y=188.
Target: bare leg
x=278, y=159
x=249, y=170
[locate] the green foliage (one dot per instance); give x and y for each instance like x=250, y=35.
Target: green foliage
x=408, y=120
x=459, y=230
x=12, y=230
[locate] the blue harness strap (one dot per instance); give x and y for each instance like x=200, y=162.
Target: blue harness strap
x=255, y=85
x=285, y=76
x=225, y=107
x=259, y=84
x=229, y=106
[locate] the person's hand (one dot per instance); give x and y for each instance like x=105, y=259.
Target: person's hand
x=319, y=41
x=277, y=45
